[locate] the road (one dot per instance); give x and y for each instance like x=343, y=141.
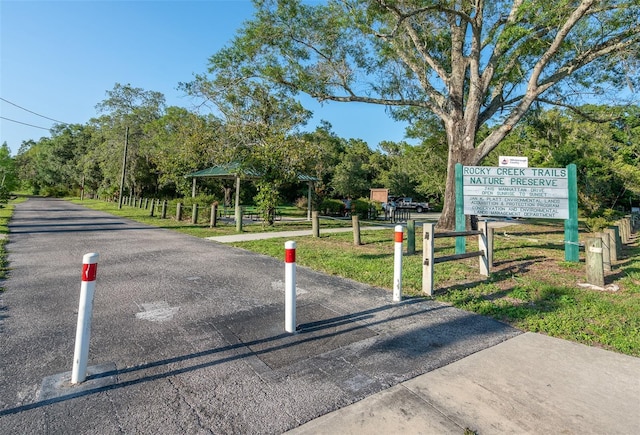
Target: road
x=187, y=334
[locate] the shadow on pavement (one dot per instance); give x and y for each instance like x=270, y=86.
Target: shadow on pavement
x=430, y=337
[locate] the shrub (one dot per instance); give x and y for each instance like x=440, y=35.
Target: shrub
x=365, y=208
x=595, y=224
x=332, y=207
x=301, y=203
x=201, y=200
x=54, y=191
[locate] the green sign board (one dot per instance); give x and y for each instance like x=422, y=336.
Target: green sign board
x=516, y=192
x=549, y=193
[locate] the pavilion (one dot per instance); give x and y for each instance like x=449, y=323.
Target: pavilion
x=235, y=171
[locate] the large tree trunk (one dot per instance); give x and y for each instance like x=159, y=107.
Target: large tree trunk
x=461, y=150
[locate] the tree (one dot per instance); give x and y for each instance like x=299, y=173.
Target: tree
x=259, y=131
x=52, y=165
x=8, y=179
x=135, y=108
x=470, y=63
x=323, y=149
x=604, y=143
x=393, y=173
x=354, y=174
x=181, y=142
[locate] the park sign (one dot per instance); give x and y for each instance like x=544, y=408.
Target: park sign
x=549, y=193
x=516, y=192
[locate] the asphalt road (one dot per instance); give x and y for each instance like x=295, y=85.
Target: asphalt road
x=188, y=335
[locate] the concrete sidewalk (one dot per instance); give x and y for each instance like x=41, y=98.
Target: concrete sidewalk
x=245, y=237
x=529, y=384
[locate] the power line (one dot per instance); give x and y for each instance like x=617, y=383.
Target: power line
x=24, y=123
x=30, y=111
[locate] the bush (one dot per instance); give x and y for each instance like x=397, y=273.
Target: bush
x=365, y=208
x=54, y=191
x=301, y=203
x=332, y=207
x=201, y=200
x=595, y=224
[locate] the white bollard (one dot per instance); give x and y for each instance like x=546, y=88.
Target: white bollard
x=83, y=330
x=290, y=286
x=397, y=264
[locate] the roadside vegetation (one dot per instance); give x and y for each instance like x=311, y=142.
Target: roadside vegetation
x=6, y=211
x=531, y=287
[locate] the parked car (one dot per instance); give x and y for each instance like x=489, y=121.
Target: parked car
x=406, y=202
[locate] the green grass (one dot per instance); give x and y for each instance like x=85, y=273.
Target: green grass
x=531, y=286
x=201, y=229
x=6, y=212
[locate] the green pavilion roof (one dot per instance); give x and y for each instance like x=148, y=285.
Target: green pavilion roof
x=232, y=170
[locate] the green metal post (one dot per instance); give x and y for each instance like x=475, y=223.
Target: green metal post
x=411, y=237
x=460, y=218
x=571, y=247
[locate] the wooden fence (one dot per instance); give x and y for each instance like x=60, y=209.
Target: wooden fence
x=484, y=252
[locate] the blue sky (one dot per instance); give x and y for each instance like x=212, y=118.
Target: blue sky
x=58, y=59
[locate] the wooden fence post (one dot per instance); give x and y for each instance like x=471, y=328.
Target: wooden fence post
x=355, y=223
x=627, y=228
x=153, y=206
x=606, y=250
x=179, y=212
x=194, y=214
x=164, y=209
x=618, y=241
x=214, y=216
x=315, y=224
x=595, y=271
x=613, y=252
x=620, y=232
x=239, y=213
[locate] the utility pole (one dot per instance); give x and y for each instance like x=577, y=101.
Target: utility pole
x=124, y=166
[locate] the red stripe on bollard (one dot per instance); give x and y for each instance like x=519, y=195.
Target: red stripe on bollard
x=89, y=272
x=399, y=235
x=289, y=255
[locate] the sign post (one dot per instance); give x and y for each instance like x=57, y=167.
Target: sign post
x=460, y=219
x=571, y=246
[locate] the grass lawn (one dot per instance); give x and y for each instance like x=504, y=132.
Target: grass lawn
x=530, y=287
x=292, y=219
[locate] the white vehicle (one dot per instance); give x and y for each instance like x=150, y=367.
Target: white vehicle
x=406, y=202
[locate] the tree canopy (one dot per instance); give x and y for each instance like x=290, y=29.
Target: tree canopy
x=472, y=64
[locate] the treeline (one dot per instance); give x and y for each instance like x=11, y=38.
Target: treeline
x=265, y=133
